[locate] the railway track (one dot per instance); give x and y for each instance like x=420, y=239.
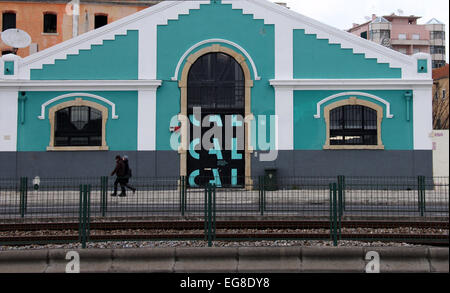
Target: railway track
x=424, y=239
x=193, y=230
x=238, y=224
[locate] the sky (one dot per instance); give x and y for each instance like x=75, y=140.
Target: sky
x=342, y=14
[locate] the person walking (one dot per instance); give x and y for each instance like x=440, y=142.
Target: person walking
x=127, y=174
x=119, y=171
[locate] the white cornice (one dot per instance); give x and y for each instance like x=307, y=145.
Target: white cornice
x=80, y=85
x=349, y=84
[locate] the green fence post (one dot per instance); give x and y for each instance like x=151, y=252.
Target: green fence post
x=22, y=199
x=23, y=195
x=83, y=218
x=205, y=209
x=339, y=190
x=335, y=214
x=185, y=186
x=102, y=195
x=343, y=189
x=420, y=194
x=209, y=216
x=88, y=212
x=80, y=215
x=182, y=195
x=331, y=210
x=25, y=184
x=423, y=194
x=85, y=191
x=261, y=194
x=214, y=211
x=264, y=194
x=105, y=208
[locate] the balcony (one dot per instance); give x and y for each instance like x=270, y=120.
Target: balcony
x=409, y=42
x=438, y=56
x=437, y=42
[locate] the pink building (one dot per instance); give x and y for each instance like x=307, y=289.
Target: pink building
x=403, y=34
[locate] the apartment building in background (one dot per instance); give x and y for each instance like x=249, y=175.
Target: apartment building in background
x=404, y=34
x=52, y=22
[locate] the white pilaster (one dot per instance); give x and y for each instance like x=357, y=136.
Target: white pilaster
x=147, y=52
x=284, y=51
x=147, y=120
x=8, y=120
x=284, y=110
x=423, y=117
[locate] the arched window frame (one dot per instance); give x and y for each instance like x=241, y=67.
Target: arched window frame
x=353, y=101
x=182, y=84
x=77, y=102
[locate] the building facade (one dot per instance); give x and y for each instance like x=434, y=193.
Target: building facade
x=52, y=22
x=182, y=94
x=403, y=34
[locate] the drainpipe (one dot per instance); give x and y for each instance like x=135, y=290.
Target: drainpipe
x=22, y=100
x=75, y=17
x=408, y=96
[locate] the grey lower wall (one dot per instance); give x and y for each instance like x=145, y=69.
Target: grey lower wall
x=167, y=164
x=348, y=163
x=85, y=164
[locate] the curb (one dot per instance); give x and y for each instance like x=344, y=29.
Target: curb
x=229, y=260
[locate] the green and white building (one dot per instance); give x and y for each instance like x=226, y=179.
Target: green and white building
x=328, y=102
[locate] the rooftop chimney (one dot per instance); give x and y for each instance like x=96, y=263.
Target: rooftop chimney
x=374, y=16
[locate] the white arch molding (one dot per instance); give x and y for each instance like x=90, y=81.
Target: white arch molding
x=247, y=55
x=388, y=105
x=113, y=106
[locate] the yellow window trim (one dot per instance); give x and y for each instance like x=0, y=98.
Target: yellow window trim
x=353, y=101
x=77, y=102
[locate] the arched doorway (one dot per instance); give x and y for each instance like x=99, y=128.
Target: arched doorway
x=216, y=109
x=215, y=97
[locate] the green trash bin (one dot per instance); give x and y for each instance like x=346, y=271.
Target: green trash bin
x=270, y=179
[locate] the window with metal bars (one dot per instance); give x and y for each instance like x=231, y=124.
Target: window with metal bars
x=216, y=83
x=353, y=125
x=78, y=126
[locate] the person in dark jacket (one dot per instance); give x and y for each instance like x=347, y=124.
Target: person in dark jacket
x=127, y=174
x=120, y=173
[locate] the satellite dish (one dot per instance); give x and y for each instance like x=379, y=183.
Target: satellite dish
x=16, y=38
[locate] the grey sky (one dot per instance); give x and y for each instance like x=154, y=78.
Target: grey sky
x=342, y=14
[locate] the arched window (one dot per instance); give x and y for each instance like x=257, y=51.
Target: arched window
x=216, y=83
x=78, y=125
x=353, y=124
